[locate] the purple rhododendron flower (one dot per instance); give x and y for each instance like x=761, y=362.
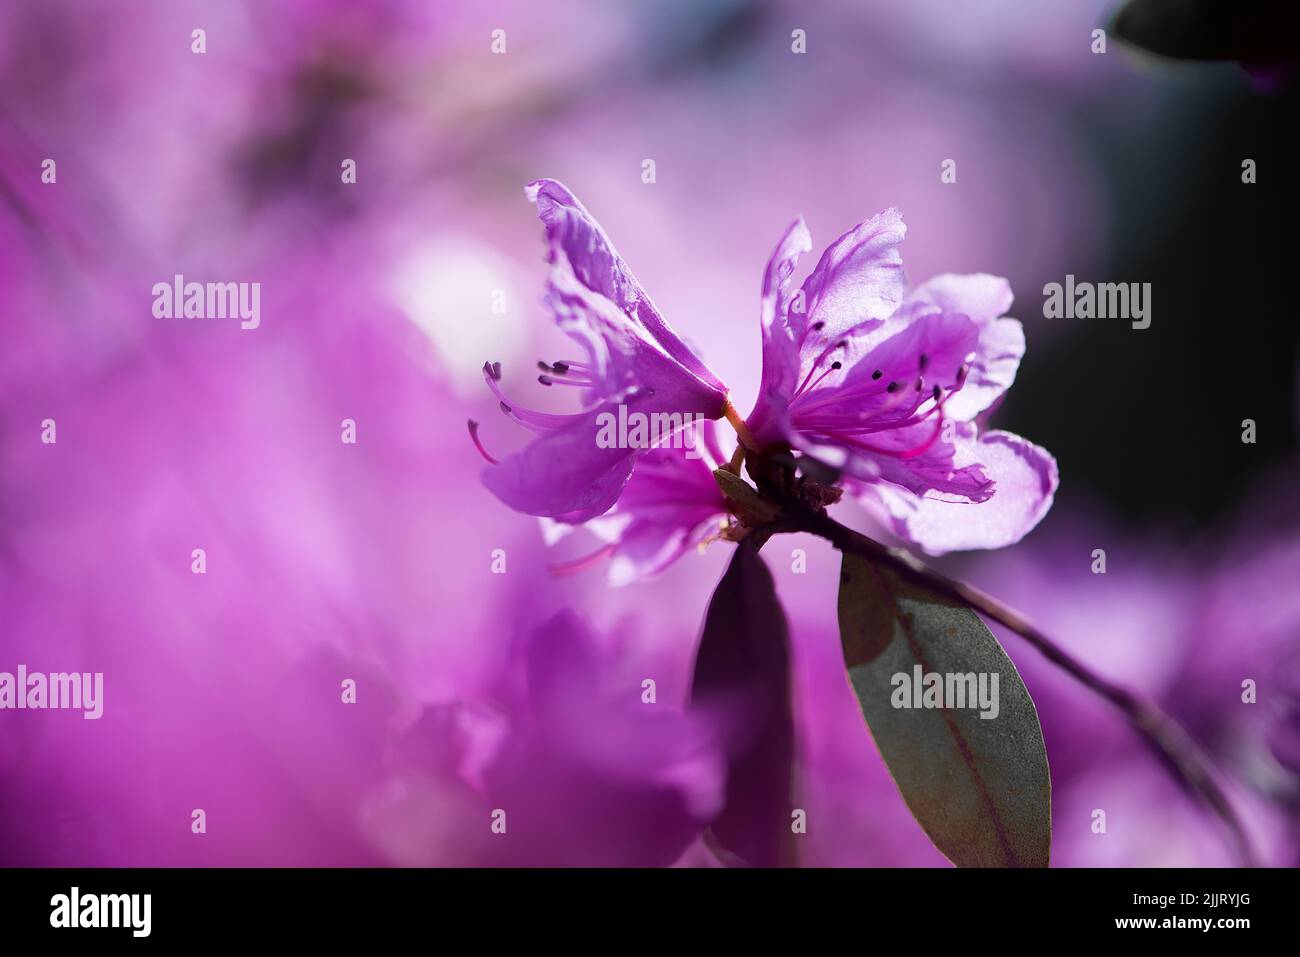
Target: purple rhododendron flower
x=632, y=358
x=885, y=387
x=882, y=385
x=670, y=505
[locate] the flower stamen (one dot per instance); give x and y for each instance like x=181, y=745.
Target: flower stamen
x=473, y=434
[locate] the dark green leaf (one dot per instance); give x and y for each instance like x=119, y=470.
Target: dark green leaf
x=742, y=671
x=978, y=786
x=1255, y=30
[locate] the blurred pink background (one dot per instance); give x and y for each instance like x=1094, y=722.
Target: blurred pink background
x=373, y=561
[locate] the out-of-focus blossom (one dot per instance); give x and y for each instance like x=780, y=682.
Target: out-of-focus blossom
x=1125, y=787
x=886, y=388
x=222, y=690
x=578, y=765
x=633, y=364
x=1240, y=677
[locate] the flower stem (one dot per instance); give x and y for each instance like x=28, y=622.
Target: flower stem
x=1182, y=757
x=737, y=459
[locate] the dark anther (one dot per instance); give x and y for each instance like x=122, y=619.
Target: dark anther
x=818, y=326
x=837, y=365
x=543, y=366
x=506, y=409
x=560, y=367
x=920, y=383
x=937, y=392
x=922, y=361
x=877, y=374
x=545, y=379
x=892, y=387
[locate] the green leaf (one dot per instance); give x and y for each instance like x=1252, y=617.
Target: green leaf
x=742, y=672
x=1207, y=30
x=979, y=786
